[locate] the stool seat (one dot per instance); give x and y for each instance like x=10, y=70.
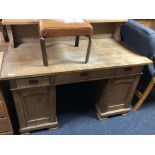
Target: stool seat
x=61, y=27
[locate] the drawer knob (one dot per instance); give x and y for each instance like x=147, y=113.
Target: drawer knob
x=33, y=82
x=128, y=69
x=84, y=74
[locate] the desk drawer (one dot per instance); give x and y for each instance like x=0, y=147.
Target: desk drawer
x=72, y=77
x=81, y=76
x=4, y=125
x=2, y=109
x=32, y=82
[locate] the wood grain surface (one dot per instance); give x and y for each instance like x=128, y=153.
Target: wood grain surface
x=63, y=57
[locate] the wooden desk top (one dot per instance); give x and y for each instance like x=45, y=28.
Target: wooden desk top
x=35, y=21
x=26, y=60
x=1, y=59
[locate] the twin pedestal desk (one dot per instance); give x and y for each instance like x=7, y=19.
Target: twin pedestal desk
x=113, y=72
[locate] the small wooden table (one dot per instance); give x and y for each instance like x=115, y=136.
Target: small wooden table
x=114, y=69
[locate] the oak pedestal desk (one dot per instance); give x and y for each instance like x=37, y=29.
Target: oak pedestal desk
x=113, y=69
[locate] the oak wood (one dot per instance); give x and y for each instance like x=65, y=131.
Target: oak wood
x=19, y=21
x=2, y=110
x=1, y=59
x=116, y=97
x=36, y=21
x=71, y=77
x=35, y=103
x=26, y=60
x=5, y=123
x=32, y=82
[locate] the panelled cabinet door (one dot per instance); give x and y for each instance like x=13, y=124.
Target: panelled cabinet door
x=35, y=104
x=35, y=107
x=117, y=95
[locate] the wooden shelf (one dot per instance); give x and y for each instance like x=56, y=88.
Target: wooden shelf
x=35, y=21
x=106, y=20
x=19, y=21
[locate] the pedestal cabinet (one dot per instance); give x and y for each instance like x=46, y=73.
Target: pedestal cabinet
x=115, y=96
x=35, y=100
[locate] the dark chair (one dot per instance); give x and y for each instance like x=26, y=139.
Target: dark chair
x=141, y=39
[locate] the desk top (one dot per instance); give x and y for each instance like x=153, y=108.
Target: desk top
x=26, y=60
x=35, y=21
x=1, y=59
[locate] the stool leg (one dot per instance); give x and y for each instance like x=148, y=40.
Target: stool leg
x=88, y=49
x=77, y=41
x=43, y=49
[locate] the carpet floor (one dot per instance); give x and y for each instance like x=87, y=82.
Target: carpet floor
x=77, y=116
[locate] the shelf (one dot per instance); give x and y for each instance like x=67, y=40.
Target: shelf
x=36, y=21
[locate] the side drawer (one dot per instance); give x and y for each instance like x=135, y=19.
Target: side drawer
x=129, y=70
x=31, y=82
x=2, y=109
x=4, y=125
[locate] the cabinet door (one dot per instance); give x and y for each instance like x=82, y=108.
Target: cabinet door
x=35, y=106
x=117, y=94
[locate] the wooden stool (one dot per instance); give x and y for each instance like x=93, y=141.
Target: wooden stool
x=58, y=28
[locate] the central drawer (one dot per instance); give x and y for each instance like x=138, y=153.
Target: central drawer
x=71, y=77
